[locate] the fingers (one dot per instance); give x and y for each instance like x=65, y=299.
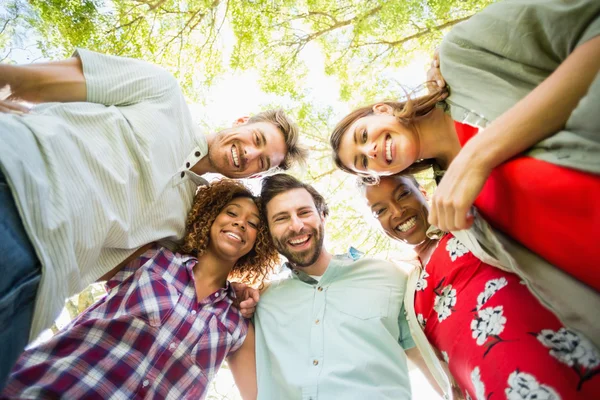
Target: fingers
x=248, y=312
x=12, y=107
x=449, y=215
x=254, y=294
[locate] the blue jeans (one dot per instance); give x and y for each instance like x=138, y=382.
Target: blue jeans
x=20, y=274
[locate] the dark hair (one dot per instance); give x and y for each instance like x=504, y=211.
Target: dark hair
x=209, y=201
x=295, y=152
x=281, y=183
x=361, y=183
x=407, y=112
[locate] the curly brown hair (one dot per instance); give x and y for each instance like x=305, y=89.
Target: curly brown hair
x=209, y=201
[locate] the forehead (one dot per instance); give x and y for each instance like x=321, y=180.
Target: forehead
x=347, y=150
x=385, y=188
x=289, y=201
x=244, y=203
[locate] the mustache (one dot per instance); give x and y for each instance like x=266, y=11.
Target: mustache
x=302, y=232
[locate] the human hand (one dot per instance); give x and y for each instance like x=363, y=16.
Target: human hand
x=456, y=193
x=435, y=80
x=12, y=107
x=248, y=297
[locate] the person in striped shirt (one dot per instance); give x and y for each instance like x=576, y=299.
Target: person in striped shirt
x=107, y=161
x=169, y=318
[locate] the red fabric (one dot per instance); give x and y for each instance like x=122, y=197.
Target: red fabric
x=550, y=209
x=498, y=340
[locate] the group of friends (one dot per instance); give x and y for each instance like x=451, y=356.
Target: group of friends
x=103, y=181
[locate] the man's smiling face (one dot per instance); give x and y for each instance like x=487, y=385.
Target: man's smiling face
x=296, y=226
x=247, y=149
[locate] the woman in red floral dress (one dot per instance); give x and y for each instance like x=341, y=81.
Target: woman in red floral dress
x=497, y=338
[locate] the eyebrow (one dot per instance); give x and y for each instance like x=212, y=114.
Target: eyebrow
x=354, y=137
x=263, y=140
x=238, y=206
x=279, y=214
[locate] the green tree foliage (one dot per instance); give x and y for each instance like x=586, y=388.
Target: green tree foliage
x=362, y=41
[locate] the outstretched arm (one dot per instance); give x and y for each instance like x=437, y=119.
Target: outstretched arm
x=537, y=116
x=60, y=81
x=243, y=367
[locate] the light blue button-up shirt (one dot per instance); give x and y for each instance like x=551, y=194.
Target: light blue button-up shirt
x=342, y=337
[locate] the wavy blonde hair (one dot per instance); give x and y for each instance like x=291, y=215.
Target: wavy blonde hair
x=209, y=201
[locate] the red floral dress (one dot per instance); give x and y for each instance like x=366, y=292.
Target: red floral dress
x=550, y=209
x=498, y=340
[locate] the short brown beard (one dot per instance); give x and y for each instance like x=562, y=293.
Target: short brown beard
x=299, y=259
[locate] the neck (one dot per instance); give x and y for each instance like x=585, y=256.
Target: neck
x=438, y=138
x=204, y=165
x=425, y=249
x=319, y=267
x=211, y=272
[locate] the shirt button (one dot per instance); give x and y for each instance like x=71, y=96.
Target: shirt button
x=316, y=362
x=217, y=294
x=187, y=164
x=197, y=154
x=193, y=312
x=317, y=322
x=320, y=289
x=145, y=383
x=182, y=174
x=172, y=346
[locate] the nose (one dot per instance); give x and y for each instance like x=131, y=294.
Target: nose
x=240, y=224
x=372, y=150
x=396, y=210
x=296, y=224
x=251, y=153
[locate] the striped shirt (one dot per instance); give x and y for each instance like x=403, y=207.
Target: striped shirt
x=94, y=181
x=148, y=338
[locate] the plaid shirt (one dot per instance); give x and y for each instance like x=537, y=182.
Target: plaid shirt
x=148, y=338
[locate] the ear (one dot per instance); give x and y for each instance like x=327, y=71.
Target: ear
x=383, y=109
x=241, y=121
x=424, y=193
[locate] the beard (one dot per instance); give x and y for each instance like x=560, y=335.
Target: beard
x=304, y=258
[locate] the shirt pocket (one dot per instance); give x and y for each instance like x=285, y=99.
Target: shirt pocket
x=213, y=346
x=360, y=303
x=150, y=299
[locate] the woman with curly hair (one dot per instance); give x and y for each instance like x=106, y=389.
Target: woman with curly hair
x=169, y=319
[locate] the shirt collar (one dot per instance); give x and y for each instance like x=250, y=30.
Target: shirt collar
x=352, y=255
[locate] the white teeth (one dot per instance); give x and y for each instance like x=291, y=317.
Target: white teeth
x=412, y=221
x=234, y=155
x=388, y=149
x=233, y=236
x=299, y=240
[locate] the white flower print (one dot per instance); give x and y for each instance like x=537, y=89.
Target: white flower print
x=491, y=287
x=523, y=386
x=488, y=322
x=422, y=321
x=570, y=348
x=455, y=248
x=446, y=357
x=444, y=302
x=422, y=283
x=478, y=384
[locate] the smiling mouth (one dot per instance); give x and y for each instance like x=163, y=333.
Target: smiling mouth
x=388, y=149
x=299, y=241
x=234, y=236
x=235, y=157
x=407, y=225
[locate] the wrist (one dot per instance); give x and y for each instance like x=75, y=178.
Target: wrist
x=478, y=156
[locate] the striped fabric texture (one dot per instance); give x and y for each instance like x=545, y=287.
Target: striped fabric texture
x=96, y=180
x=148, y=338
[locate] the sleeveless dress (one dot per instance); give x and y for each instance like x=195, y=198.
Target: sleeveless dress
x=551, y=210
x=498, y=340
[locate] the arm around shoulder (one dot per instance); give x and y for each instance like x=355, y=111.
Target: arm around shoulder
x=242, y=363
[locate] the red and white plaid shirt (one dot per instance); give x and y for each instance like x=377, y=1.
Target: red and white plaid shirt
x=148, y=338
